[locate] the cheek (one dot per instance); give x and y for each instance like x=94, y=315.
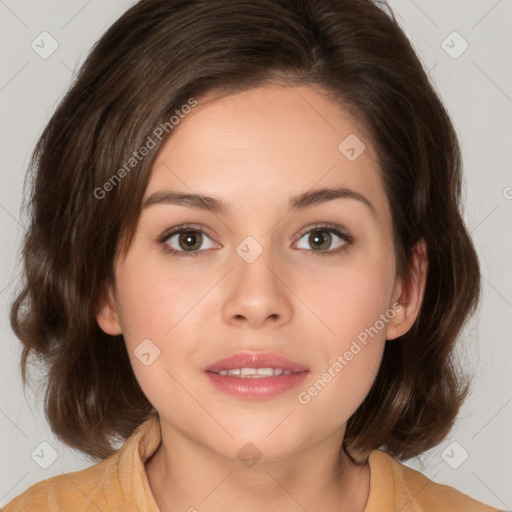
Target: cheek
x=352, y=302
x=153, y=301
x=156, y=310
x=350, y=297
x=159, y=310
x=353, y=307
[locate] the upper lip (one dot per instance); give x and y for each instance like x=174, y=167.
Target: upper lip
x=248, y=360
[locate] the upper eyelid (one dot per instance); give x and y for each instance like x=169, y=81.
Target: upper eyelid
x=324, y=225
x=198, y=228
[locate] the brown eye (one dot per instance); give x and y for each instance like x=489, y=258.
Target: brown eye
x=320, y=239
x=186, y=242
x=190, y=240
x=325, y=240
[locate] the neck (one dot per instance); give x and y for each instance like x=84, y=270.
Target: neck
x=189, y=476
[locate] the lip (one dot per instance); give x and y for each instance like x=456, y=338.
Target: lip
x=248, y=360
x=256, y=388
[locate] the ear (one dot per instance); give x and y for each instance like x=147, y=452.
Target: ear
x=408, y=296
x=107, y=314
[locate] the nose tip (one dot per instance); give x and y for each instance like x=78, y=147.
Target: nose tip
x=255, y=296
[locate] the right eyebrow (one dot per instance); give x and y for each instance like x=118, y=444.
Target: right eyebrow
x=182, y=199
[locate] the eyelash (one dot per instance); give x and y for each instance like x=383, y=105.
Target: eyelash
x=330, y=228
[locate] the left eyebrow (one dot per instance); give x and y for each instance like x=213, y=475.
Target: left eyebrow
x=322, y=195
x=216, y=205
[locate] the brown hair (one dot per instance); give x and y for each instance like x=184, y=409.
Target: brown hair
x=151, y=62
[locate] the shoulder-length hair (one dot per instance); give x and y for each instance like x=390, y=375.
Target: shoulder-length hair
x=84, y=208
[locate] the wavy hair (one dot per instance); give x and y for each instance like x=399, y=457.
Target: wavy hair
x=146, y=66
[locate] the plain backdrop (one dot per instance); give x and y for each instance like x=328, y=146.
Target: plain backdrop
x=466, y=47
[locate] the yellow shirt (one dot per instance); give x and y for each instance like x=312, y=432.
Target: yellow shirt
x=119, y=483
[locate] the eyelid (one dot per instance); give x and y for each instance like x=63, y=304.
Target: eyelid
x=184, y=227
x=327, y=226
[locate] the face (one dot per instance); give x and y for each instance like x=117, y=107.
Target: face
x=310, y=280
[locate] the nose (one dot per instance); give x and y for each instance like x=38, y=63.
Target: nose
x=257, y=294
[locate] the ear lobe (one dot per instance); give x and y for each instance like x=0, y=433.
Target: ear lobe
x=107, y=315
x=409, y=295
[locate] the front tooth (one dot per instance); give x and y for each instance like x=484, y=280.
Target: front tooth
x=247, y=371
x=265, y=372
x=254, y=373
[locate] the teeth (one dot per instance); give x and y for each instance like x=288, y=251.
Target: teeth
x=265, y=372
x=254, y=373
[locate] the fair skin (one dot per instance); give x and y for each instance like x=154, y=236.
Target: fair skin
x=255, y=150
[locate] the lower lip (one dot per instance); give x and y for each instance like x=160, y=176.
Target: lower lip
x=256, y=388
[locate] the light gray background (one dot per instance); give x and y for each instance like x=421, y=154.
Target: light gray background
x=477, y=89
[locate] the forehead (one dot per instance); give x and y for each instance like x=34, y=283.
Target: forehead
x=265, y=144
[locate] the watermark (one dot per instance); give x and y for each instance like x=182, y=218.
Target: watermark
x=351, y=147
x=454, y=455
x=304, y=397
x=146, y=352
x=454, y=45
x=249, y=455
x=144, y=150
x=44, y=45
x=507, y=192
x=249, y=249
x=44, y=455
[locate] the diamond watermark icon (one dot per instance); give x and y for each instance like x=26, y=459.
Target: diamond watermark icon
x=351, y=147
x=146, y=352
x=454, y=45
x=44, y=455
x=44, y=45
x=249, y=249
x=454, y=455
x=249, y=455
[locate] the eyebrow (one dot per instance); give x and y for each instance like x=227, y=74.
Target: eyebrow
x=215, y=205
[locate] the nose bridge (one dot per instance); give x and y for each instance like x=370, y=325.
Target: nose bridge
x=253, y=267
x=256, y=292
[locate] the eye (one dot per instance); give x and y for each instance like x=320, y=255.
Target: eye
x=186, y=241
x=326, y=239
x=189, y=240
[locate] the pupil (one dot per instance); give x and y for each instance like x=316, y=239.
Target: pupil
x=316, y=238
x=189, y=240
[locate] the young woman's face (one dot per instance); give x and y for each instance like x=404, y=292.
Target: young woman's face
x=314, y=283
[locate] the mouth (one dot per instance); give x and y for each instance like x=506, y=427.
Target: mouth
x=254, y=373
x=255, y=376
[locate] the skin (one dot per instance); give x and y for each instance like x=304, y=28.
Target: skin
x=255, y=150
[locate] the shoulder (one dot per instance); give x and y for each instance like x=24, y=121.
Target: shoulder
x=65, y=491
x=117, y=483
x=394, y=486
